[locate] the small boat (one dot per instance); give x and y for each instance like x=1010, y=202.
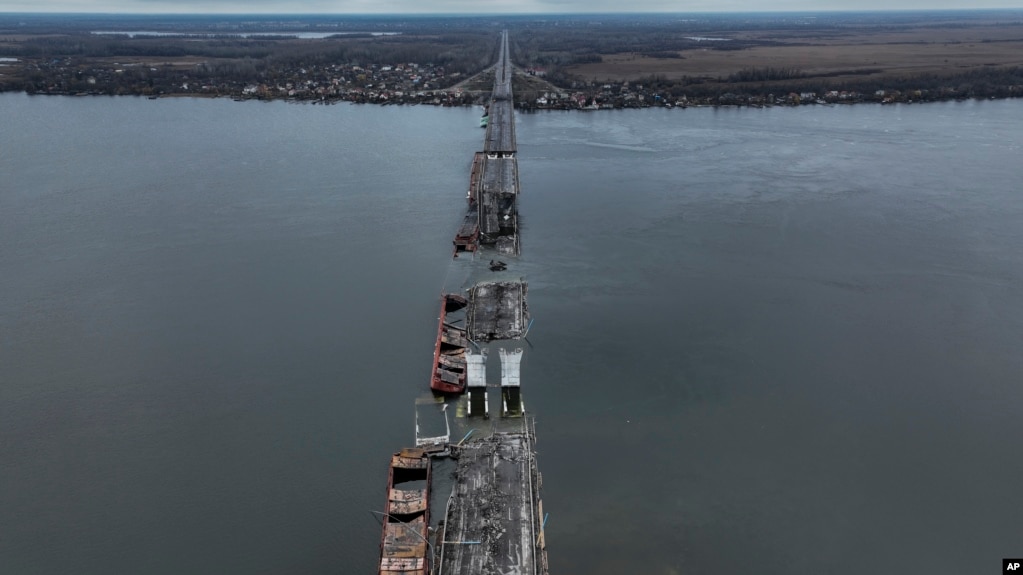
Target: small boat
x=484, y=120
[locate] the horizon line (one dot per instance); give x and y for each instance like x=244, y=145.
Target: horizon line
x=493, y=14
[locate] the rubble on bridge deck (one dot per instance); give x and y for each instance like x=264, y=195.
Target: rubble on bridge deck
x=497, y=310
x=493, y=523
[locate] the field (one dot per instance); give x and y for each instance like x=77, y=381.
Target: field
x=871, y=53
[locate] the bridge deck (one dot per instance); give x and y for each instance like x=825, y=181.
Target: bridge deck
x=497, y=310
x=500, y=136
x=500, y=176
x=492, y=522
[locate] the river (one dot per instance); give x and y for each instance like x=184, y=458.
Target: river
x=780, y=340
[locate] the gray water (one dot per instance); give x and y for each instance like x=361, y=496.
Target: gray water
x=785, y=340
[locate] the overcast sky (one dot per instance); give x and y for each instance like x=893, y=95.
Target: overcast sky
x=481, y=6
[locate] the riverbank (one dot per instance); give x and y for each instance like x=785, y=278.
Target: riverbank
x=606, y=99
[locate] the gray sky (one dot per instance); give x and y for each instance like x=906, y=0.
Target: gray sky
x=480, y=6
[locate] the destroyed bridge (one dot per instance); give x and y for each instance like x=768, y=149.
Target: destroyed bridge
x=490, y=520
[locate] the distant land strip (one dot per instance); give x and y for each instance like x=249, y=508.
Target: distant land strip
x=569, y=62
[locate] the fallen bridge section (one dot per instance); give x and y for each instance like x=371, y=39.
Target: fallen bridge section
x=498, y=192
x=493, y=523
x=497, y=310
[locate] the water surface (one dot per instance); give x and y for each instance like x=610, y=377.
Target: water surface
x=782, y=336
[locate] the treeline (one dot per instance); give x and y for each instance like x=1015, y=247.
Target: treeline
x=96, y=46
x=465, y=52
x=766, y=74
x=979, y=83
x=663, y=55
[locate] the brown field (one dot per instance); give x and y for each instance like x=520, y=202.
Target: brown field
x=182, y=62
x=970, y=33
x=4, y=38
x=892, y=53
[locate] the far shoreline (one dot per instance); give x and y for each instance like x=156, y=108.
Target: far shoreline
x=788, y=101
